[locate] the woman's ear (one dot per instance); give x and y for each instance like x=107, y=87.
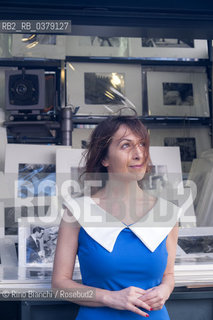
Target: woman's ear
x=105, y=163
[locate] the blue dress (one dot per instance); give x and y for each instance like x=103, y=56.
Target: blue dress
x=130, y=263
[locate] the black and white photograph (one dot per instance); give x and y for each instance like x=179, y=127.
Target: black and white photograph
x=36, y=180
x=165, y=176
x=41, y=244
x=156, y=179
x=31, y=172
x=192, y=141
x=98, y=88
x=196, y=244
x=104, y=88
x=167, y=43
x=187, y=147
x=97, y=46
x=178, y=94
x=181, y=93
x=163, y=48
x=37, y=241
x=98, y=41
x=12, y=214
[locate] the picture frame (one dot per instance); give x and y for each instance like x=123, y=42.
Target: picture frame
x=165, y=177
x=97, y=46
x=191, y=140
x=168, y=48
x=43, y=230
x=104, y=88
x=195, y=244
x=32, y=172
x=9, y=216
x=181, y=93
x=39, y=46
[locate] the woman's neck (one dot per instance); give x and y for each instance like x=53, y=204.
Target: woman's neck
x=121, y=190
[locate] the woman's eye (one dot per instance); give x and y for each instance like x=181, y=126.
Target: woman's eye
x=142, y=144
x=125, y=145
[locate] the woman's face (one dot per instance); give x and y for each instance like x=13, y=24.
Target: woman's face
x=126, y=155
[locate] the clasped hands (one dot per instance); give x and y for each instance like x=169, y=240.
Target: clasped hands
x=134, y=298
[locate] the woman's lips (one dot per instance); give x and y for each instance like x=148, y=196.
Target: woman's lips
x=137, y=166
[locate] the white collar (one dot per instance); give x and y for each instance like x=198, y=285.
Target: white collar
x=104, y=228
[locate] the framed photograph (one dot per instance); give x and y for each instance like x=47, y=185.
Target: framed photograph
x=97, y=46
x=38, y=46
x=168, y=48
x=10, y=215
x=195, y=243
x=32, y=172
x=165, y=176
x=192, y=141
x=70, y=165
x=177, y=94
x=103, y=88
x=37, y=241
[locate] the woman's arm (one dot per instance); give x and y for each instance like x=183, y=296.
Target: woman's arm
x=64, y=261
x=157, y=296
x=66, y=250
x=171, y=244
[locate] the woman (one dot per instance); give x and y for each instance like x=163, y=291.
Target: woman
x=125, y=251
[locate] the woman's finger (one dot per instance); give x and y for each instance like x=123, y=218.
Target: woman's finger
x=135, y=309
x=148, y=296
x=142, y=304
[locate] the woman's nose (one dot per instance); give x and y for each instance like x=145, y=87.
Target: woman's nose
x=137, y=152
